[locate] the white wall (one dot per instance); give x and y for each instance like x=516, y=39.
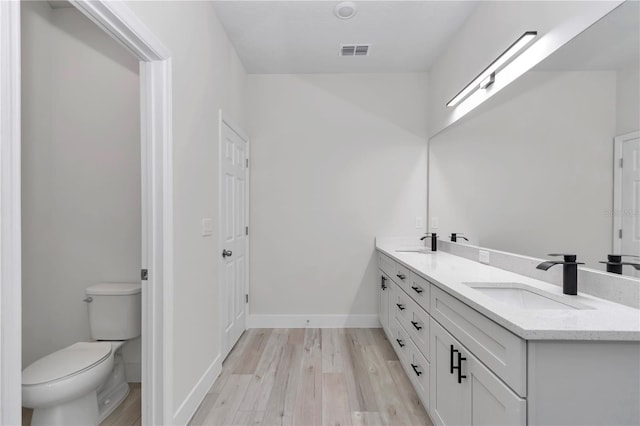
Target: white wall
x=628, y=99
x=207, y=75
x=533, y=173
x=491, y=28
x=336, y=160
x=81, y=175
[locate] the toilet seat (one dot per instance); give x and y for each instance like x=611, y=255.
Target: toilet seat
x=66, y=363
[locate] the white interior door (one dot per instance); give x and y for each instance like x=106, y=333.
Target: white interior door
x=631, y=202
x=233, y=234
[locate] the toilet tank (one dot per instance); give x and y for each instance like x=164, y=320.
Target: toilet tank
x=115, y=310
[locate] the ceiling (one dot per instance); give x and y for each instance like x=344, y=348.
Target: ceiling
x=610, y=44
x=279, y=37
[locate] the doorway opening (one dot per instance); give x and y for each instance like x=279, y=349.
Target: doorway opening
x=626, y=198
x=117, y=20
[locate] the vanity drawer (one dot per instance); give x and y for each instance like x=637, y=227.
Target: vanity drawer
x=402, y=276
x=417, y=325
x=418, y=369
x=399, y=340
x=386, y=264
x=420, y=290
x=499, y=349
x=399, y=304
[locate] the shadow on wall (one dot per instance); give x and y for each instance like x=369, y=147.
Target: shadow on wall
x=367, y=291
x=381, y=102
x=72, y=23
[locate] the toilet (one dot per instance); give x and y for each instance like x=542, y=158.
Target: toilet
x=83, y=383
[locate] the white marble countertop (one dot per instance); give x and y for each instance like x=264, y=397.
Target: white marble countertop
x=606, y=321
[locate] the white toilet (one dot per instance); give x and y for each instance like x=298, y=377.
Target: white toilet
x=83, y=383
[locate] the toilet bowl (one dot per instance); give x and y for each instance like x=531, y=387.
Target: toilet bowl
x=61, y=387
x=83, y=383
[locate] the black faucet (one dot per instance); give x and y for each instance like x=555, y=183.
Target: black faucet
x=456, y=235
x=614, y=263
x=434, y=240
x=570, y=272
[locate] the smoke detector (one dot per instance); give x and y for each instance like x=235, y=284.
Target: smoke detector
x=345, y=10
x=354, y=49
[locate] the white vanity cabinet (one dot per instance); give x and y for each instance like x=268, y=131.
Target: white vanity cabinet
x=407, y=305
x=468, y=368
x=383, y=300
x=464, y=391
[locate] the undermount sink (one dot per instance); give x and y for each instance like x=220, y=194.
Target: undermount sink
x=422, y=250
x=523, y=296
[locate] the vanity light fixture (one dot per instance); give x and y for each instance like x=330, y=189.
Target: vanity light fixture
x=487, y=77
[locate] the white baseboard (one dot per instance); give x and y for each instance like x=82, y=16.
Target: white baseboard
x=198, y=393
x=312, y=321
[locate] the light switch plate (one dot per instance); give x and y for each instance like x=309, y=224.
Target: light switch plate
x=207, y=227
x=484, y=257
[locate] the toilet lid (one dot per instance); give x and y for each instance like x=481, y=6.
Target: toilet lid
x=66, y=362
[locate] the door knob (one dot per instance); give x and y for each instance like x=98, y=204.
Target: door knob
x=226, y=253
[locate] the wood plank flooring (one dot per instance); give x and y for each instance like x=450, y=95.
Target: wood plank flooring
x=127, y=414
x=298, y=377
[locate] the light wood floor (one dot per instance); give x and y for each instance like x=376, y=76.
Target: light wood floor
x=301, y=377
x=127, y=414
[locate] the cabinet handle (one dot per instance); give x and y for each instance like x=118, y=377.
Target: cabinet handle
x=402, y=277
x=451, y=367
x=401, y=307
x=417, y=289
x=400, y=343
x=459, y=367
x=415, y=368
x=382, y=284
x=415, y=325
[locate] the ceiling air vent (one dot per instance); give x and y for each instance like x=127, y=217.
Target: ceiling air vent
x=354, y=49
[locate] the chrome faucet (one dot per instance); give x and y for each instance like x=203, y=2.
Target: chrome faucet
x=614, y=263
x=570, y=271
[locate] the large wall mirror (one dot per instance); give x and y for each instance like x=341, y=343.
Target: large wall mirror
x=532, y=170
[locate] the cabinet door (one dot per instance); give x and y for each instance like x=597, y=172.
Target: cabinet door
x=480, y=398
x=450, y=400
x=383, y=301
x=492, y=402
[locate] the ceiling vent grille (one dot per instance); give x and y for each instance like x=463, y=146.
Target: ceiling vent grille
x=354, y=49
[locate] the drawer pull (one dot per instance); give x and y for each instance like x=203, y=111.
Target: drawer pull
x=402, y=277
x=415, y=325
x=417, y=289
x=382, y=284
x=400, y=343
x=459, y=366
x=451, y=367
x=400, y=306
x=415, y=368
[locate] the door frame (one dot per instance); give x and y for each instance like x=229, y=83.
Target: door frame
x=617, y=187
x=224, y=119
x=117, y=20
